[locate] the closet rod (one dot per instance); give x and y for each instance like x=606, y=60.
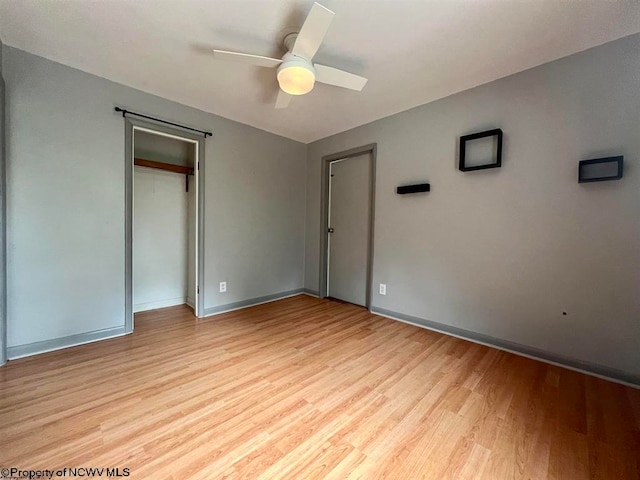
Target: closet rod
x=125, y=112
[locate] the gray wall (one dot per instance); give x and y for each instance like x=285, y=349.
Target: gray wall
x=66, y=202
x=504, y=252
x=3, y=269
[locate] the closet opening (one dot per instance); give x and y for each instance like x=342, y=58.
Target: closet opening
x=164, y=224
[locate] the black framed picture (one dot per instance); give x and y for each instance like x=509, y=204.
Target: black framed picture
x=482, y=150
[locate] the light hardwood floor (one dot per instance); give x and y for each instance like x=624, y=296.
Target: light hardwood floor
x=305, y=388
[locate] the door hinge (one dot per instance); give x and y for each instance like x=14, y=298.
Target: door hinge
x=198, y=289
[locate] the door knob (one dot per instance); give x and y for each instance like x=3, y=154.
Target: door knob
x=330, y=230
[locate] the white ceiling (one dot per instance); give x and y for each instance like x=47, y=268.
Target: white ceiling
x=412, y=51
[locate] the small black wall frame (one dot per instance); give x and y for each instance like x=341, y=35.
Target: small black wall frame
x=474, y=136
x=585, y=165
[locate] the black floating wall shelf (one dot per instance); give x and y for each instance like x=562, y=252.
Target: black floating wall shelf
x=600, y=169
x=421, y=187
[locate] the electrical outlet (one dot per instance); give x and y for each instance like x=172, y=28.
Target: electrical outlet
x=383, y=289
x=223, y=287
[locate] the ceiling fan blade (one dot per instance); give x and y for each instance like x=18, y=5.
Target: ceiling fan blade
x=312, y=32
x=339, y=78
x=283, y=99
x=258, y=60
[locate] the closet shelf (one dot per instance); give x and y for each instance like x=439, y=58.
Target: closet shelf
x=141, y=162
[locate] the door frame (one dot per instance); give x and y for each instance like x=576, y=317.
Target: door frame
x=3, y=224
x=156, y=128
x=372, y=150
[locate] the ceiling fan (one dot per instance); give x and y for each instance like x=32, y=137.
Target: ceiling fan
x=296, y=74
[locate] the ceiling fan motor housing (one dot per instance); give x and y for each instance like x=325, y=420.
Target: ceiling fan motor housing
x=288, y=38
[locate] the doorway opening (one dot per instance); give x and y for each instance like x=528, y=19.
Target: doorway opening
x=164, y=224
x=346, y=263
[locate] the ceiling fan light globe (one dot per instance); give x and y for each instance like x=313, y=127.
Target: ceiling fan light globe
x=296, y=77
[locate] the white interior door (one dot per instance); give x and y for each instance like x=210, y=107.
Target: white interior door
x=349, y=223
